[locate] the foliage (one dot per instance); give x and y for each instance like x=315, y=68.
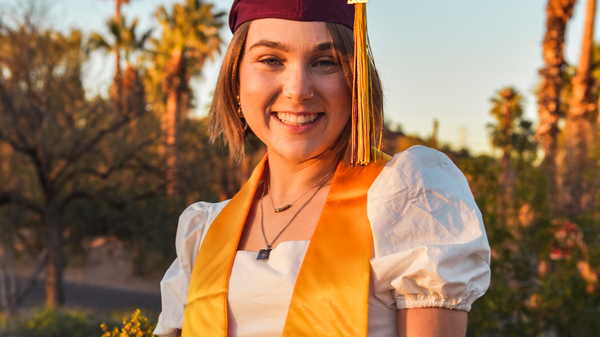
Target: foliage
x=52, y=323
x=191, y=30
x=542, y=267
x=63, y=146
x=511, y=132
x=124, y=38
x=73, y=323
x=137, y=326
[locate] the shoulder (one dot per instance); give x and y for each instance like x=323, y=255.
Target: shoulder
x=420, y=166
x=429, y=240
x=196, y=217
x=421, y=197
x=192, y=227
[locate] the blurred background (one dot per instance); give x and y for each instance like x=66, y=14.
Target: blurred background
x=103, y=142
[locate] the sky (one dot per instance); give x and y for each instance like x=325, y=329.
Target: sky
x=438, y=59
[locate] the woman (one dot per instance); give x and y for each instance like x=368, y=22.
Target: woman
x=312, y=245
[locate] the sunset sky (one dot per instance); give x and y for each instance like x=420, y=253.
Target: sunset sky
x=438, y=59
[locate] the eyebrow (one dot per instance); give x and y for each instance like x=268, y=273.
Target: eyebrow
x=324, y=46
x=268, y=44
x=280, y=46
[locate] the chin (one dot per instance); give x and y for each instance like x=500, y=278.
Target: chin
x=297, y=154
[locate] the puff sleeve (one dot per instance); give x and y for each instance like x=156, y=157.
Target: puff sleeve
x=430, y=246
x=191, y=229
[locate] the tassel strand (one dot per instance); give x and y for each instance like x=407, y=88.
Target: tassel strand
x=362, y=135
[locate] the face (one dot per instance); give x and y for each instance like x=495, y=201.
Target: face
x=293, y=95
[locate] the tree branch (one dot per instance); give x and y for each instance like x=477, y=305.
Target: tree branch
x=87, y=147
x=103, y=175
x=11, y=196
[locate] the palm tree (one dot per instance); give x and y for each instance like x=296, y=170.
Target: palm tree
x=558, y=14
x=190, y=35
x=579, y=126
x=127, y=90
x=507, y=107
x=133, y=100
x=118, y=4
x=511, y=133
x=116, y=91
x=523, y=142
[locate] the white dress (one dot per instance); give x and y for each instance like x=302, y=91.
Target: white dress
x=430, y=250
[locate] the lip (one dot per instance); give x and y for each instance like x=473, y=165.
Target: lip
x=298, y=128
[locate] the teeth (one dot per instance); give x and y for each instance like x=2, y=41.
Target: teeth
x=296, y=120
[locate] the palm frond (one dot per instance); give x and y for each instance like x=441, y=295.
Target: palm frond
x=96, y=41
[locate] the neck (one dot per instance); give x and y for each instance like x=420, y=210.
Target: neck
x=288, y=179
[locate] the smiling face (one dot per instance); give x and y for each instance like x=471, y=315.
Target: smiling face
x=293, y=94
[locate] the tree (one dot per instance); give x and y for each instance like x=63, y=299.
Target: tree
x=131, y=97
x=579, y=125
x=116, y=91
x=14, y=287
x=65, y=144
x=558, y=14
x=513, y=135
x=190, y=36
x=507, y=106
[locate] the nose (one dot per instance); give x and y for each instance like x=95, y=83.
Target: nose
x=297, y=86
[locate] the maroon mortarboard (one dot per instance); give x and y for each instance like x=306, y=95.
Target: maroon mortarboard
x=364, y=135
x=298, y=10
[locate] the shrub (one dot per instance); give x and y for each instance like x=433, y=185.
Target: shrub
x=51, y=323
x=137, y=326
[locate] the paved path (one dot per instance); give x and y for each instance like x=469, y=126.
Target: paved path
x=96, y=298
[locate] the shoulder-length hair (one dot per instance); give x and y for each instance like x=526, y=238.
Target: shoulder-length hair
x=224, y=120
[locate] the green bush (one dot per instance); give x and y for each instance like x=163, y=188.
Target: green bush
x=51, y=323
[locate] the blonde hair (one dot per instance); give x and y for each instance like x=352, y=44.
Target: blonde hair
x=226, y=124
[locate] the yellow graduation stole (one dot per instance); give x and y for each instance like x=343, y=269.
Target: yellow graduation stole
x=331, y=295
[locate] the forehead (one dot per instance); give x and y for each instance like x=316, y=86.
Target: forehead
x=293, y=34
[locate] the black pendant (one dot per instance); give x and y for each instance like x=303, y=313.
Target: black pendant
x=263, y=254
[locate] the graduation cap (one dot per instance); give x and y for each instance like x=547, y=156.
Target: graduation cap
x=351, y=13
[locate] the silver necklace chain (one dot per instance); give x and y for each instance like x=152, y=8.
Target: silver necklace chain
x=263, y=254
x=288, y=206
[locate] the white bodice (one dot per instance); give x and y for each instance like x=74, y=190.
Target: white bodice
x=260, y=293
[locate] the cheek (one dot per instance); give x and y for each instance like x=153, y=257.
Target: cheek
x=247, y=86
x=248, y=92
x=342, y=99
x=256, y=89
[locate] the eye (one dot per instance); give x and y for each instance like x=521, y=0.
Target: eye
x=328, y=62
x=326, y=65
x=270, y=61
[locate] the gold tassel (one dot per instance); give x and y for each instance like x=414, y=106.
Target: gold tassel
x=362, y=133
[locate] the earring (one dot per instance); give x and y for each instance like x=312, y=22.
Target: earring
x=239, y=110
x=241, y=115
x=311, y=94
